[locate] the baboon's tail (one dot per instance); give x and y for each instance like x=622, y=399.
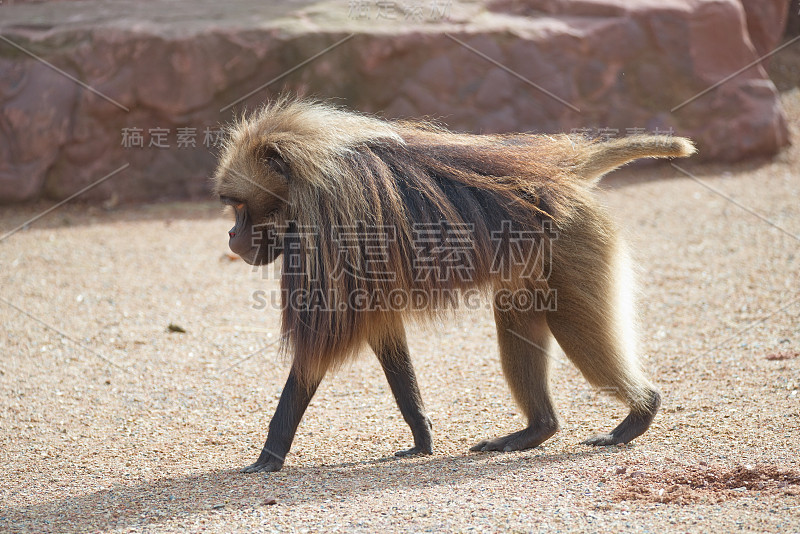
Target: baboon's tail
x=599, y=159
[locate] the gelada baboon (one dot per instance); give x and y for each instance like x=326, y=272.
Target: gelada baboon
x=345, y=197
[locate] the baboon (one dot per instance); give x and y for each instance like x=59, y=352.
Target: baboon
x=344, y=198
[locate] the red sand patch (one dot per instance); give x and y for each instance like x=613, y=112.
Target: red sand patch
x=782, y=355
x=706, y=484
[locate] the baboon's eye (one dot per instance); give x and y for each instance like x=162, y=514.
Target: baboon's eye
x=232, y=202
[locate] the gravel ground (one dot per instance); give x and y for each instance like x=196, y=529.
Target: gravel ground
x=138, y=428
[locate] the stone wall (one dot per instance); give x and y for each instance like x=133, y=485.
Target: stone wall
x=108, y=76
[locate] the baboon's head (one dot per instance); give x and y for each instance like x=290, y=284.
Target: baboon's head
x=253, y=179
x=300, y=151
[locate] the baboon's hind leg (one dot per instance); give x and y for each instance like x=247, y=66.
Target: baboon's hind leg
x=593, y=323
x=524, y=341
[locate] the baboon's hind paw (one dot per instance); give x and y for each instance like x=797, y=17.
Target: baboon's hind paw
x=633, y=426
x=527, y=438
x=602, y=440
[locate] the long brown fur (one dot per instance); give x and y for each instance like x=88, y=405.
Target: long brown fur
x=346, y=169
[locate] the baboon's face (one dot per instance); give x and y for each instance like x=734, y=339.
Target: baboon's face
x=256, y=193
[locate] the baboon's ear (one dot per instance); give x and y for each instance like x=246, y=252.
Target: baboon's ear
x=270, y=157
x=279, y=165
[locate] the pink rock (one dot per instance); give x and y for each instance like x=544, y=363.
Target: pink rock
x=609, y=67
x=766, y=21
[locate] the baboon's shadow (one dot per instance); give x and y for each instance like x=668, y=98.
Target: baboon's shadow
x=157, y=501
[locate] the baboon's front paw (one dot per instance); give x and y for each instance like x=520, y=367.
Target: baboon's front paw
x=413, y=451
x=486, y=445
x=527, y=438
x=267, y=466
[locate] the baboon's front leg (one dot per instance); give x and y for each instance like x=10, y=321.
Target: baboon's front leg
x=392, y=352
x=293, y=403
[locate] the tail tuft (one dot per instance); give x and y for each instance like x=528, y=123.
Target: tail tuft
x=600, y=158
